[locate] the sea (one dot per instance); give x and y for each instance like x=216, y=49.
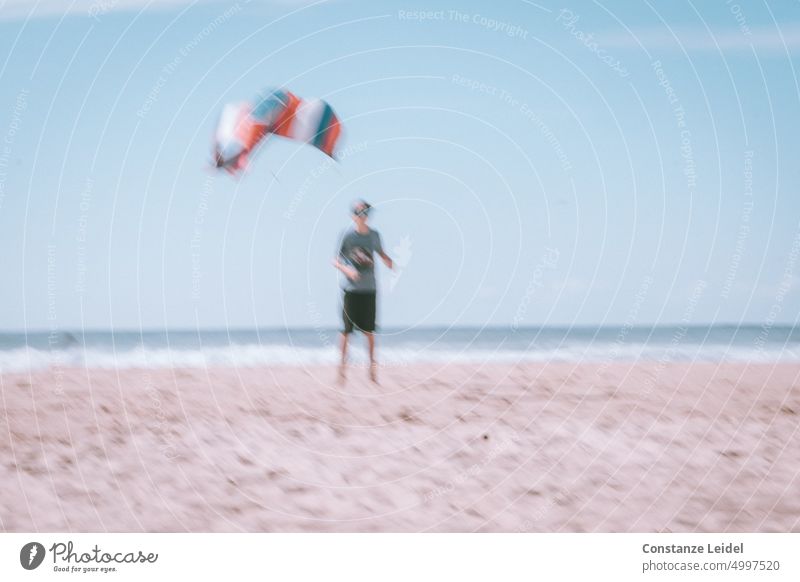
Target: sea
x=267, y=347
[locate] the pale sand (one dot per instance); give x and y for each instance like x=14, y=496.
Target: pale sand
x=541, y=447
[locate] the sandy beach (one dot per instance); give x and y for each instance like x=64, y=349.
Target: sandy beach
x=448, y=448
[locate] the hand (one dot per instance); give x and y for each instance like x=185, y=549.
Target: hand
x=352, y=274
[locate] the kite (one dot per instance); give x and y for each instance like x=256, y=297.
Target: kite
x=242, y=126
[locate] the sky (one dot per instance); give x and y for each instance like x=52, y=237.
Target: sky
x=530, y=164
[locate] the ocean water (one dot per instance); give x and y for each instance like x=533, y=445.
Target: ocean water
x=255, y=347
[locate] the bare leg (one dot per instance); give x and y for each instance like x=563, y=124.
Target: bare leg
x=343, y=362
x=373, y=367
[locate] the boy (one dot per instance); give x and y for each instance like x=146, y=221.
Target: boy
x=355, y=261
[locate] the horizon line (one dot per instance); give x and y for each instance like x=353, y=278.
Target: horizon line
x=507, y=326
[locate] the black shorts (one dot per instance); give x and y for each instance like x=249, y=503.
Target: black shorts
x=358, y=312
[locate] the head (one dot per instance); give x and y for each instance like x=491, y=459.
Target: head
x=360, y=212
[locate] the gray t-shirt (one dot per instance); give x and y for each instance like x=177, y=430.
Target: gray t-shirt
x=357, y=250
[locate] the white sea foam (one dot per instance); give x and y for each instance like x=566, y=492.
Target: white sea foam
x=254, y=355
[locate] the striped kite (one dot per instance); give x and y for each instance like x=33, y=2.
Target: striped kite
x=279, y=112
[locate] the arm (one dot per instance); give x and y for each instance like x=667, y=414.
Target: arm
x=341, y=265
x=387, y=260
x=348, y=271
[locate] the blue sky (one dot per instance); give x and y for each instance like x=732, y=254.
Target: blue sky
x=530, y=163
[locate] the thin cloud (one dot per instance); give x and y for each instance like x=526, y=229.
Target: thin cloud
x=34, y=9
x=31, y=9
x=773, y=39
